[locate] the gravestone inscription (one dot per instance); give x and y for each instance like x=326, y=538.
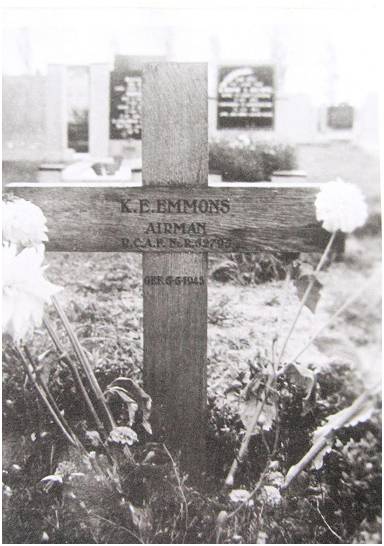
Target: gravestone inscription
x=126, y=96
x=246, y=97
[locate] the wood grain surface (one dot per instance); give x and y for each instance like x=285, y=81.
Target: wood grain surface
x=260, y=218
x=175, y=146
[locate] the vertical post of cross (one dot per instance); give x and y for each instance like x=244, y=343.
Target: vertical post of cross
x=175, y=151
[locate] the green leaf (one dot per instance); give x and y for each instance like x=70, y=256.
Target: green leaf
x=54, y=478
x=304, y=378
x=50, y=481
x=135, y=397
x=132, y=405
x=252, y=397
x=225, y=271
x=302, y=284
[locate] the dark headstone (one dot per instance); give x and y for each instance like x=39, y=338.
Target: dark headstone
x=246, y=97
x=125, y=110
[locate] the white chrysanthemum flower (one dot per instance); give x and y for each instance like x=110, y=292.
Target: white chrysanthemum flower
x=24, y=224
x=341, y=206
x=25, y=291
x=240, y=495
x=123, y=435
x=271, y=495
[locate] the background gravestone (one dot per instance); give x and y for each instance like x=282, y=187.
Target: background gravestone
x=340, y=117
x=126, y=96
x=246, y=97
x=78, y=108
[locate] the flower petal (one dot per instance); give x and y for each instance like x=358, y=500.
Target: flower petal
x=25, y=291
x=24, y=224
x=341, y=206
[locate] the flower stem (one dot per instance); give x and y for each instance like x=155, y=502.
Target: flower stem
x=41, y=383
x=52, y=401
x=83, y=360
x=39, y=389
x=249, y=433
x=347, y=415
x=306, y=294
x=75, y=373
x=281, y=316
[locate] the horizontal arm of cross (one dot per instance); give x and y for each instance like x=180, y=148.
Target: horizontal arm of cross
x=240, y=217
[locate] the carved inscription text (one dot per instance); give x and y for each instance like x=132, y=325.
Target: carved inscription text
x=181, y=235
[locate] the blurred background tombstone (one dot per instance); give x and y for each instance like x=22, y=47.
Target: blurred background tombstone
x=99, y=110
x=340, y=116
x=78, y=108
x=56, y=114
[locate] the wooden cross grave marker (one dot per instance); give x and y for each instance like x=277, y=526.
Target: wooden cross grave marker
x=175, y=219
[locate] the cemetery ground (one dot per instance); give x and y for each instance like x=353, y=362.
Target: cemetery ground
x=338, y=503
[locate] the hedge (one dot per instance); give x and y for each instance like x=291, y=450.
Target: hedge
x=245, y=159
